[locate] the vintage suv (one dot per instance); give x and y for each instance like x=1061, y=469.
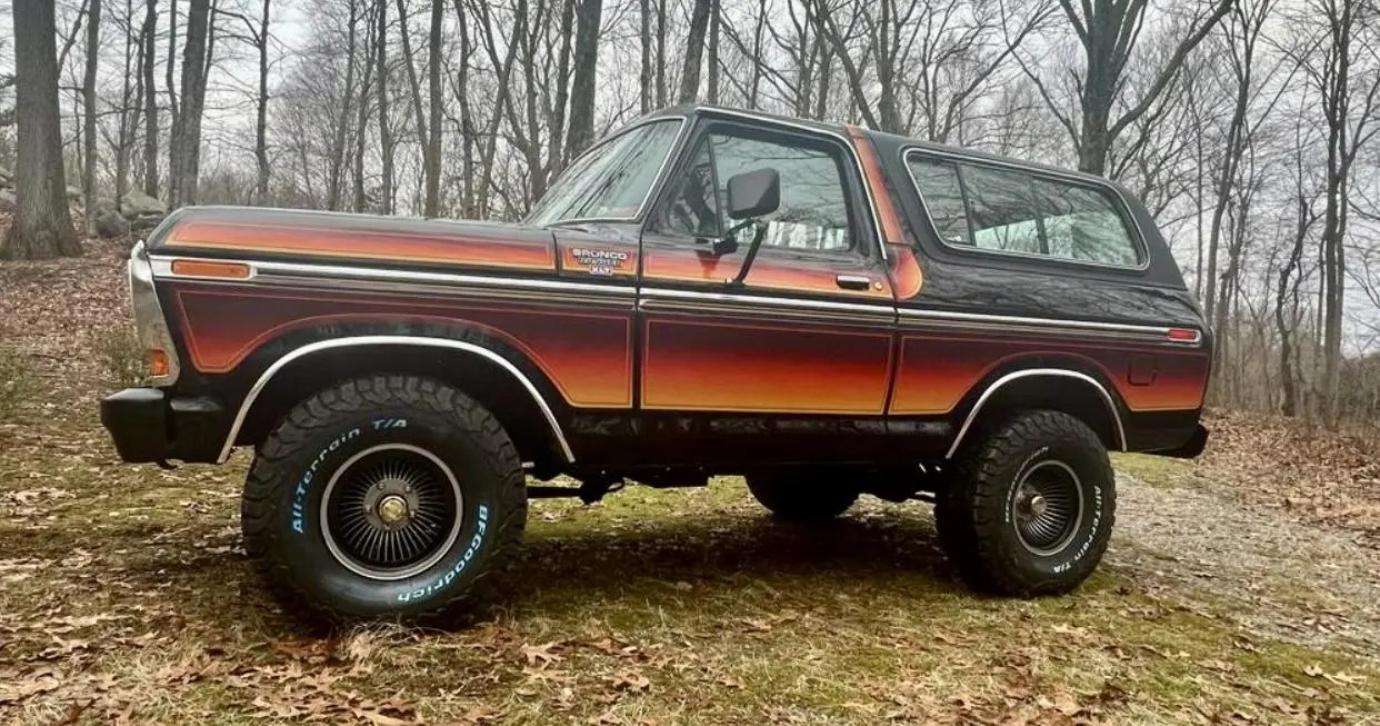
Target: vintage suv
x=825, y=310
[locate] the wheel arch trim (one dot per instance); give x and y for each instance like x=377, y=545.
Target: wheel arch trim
x=996, y=385
x=370, y=340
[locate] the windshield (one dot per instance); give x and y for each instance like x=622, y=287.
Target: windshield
x=610, y=181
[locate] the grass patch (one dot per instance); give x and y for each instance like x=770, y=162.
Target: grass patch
x=17, y=383
x=1161, y=472
x=122, y=358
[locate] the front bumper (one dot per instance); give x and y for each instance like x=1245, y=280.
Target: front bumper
x=147, y=425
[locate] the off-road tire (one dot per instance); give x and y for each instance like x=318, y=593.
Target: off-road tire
x=803, y=495
x=281, y=506
x=975, y=512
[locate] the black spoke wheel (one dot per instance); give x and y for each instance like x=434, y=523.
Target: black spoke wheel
x=384, y=497
x=391, y=511
x=1047, y=506
x=1030, y=505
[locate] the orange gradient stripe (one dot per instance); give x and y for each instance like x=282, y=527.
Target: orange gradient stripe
x=696, y=366
x=588, y=357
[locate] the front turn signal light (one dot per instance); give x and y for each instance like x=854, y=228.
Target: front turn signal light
x=156, y=361
x=212, y=269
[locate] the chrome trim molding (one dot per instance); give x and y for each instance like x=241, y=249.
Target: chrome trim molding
x=363, y=340
x=150, y=324
x=274, y=272
x=1009, y=377
x=918, y=318
x=652, y=295
x=1126, y=211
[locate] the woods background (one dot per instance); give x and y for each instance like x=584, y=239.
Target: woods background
x=1248, y=126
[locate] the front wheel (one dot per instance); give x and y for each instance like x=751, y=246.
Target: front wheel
x=389, y=496
x=1031, y=508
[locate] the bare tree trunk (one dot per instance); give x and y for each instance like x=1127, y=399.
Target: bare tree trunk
x=150, y=100
x=644, y=37
x=88, y=92
x=172, y=87
x=385, y=127
x=129, y=118
x=432, y=206
x=336, y=164
x=712, y=95
x=261, y=118
x=361, y=201
x=42, y=225
x=694, y=49
x=555, y=157
x=581, y=133
x=185, y=156
x=1108, y=32
x=661, y=54
x=405, y=34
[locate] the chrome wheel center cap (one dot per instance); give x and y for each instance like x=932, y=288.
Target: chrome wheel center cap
x=392, y=509
x=1037, y=505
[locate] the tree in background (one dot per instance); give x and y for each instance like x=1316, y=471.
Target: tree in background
x=42, y=225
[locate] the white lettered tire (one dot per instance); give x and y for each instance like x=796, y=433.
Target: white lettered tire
x=384, y=497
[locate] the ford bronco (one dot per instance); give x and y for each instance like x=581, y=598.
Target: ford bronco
x=824, y=310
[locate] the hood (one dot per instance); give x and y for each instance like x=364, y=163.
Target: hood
x=254, y=233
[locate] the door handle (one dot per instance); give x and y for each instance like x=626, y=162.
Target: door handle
x=853, y=282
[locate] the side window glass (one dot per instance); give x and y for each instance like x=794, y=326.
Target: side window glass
x=814, y=206
x=1004, y=214
x=943, y=195
x=1082, y=224
x=694, y=206
x=1009, y=211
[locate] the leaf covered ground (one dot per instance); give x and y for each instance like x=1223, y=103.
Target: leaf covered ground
x=1232, y=592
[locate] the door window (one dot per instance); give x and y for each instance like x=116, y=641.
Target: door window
x=814, y=213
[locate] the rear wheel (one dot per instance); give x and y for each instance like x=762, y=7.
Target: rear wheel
x=1031, y=507
x=803, y=495
x=385, y=496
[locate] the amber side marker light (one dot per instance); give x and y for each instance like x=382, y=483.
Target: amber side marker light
x=206, y=268
x=156, y=362
x=1183, y=335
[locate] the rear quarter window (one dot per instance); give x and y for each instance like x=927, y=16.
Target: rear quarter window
x=1008, y=211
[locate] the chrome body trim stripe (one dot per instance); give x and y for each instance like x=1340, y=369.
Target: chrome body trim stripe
x=912, y=318
x=274, y=272
x=364, y=340
x=1017, y=375
x=654, y=297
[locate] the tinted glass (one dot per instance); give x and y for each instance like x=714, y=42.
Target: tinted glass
x=611, y=180
x=694, y=207
x=1011, y=211
x=814, y=209
x=1082, y=224
x=1002, y=212
x=943, y=194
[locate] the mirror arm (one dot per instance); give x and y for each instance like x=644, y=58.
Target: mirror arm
x=756, y=245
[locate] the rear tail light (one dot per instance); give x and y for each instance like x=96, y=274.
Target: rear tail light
x=1183, y=335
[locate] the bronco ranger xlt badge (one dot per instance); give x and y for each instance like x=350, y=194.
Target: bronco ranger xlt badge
x=824, y=310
